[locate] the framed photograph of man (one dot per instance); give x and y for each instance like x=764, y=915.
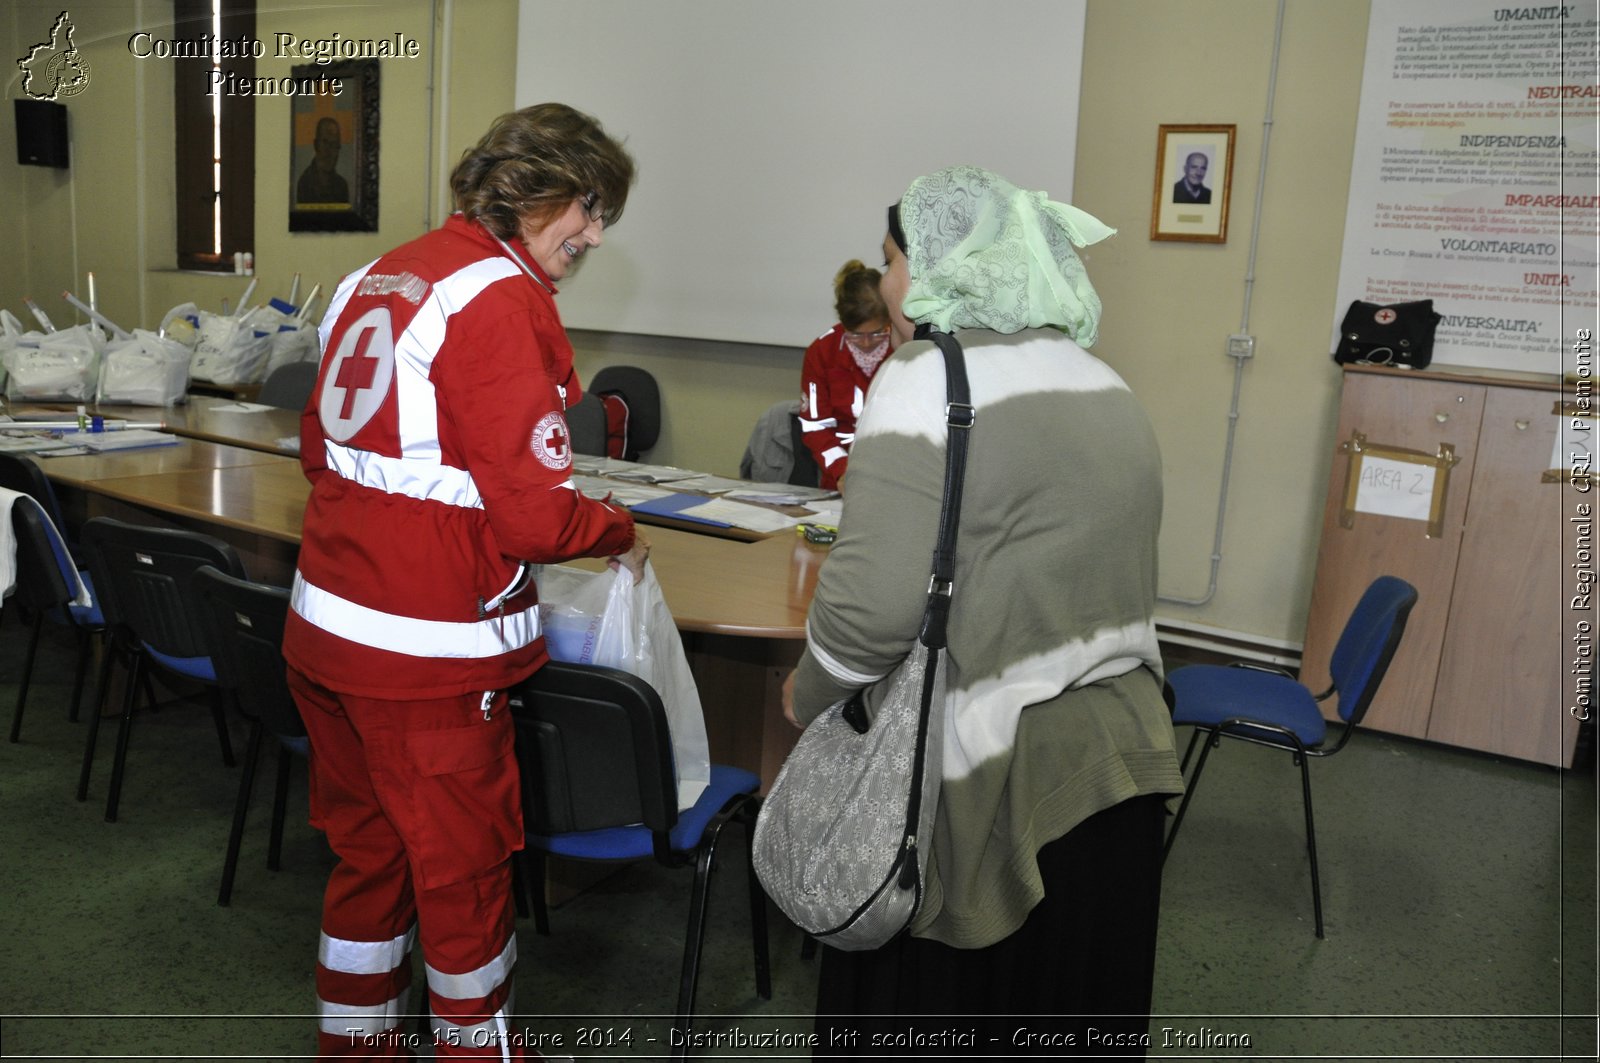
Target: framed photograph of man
x=333, y=150
x=1194, y=180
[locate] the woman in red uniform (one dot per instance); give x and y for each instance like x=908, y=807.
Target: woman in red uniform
x=839, y=365
x=437, y=449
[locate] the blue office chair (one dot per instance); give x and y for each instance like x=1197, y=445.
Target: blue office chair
x=142, y=575
x=1268, y=708
x=45, y=567
x=597, y=784
x=245, y=621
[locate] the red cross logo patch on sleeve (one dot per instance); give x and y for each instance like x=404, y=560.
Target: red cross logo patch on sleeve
x=551, y=442
x=359, y=375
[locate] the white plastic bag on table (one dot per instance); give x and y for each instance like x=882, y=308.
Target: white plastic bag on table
x=182, y=323
x=291, y=344
x=63, y=365
x=604, y=618
x=231, y=351
x=146, y=370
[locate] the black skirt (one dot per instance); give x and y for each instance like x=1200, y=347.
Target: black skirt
x=1073, y=981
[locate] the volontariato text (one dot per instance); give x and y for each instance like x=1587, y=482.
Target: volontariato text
x=321, y=51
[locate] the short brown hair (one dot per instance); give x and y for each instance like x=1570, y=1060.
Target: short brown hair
x=532, y=163
x=855, y=295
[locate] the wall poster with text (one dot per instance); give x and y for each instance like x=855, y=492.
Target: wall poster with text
x=1473, y=181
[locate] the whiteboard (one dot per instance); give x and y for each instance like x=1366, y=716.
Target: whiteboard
x=771, y=137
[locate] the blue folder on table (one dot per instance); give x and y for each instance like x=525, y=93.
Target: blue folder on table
x=673, y=506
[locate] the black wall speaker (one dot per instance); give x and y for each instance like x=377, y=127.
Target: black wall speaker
x=41, y=133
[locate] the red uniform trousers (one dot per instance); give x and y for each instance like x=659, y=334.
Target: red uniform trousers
x=420, y=801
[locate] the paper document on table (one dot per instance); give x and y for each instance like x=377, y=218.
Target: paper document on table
x=600, y=464
x=243, y=407
x=826, y=512
x=784, y=495
x=754, y=518
x=127, y=439
x=707, y=484
x=623, y=494
x=650, y=474
x=36, y=444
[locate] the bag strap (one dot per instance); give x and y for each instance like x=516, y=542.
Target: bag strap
x=959, y=417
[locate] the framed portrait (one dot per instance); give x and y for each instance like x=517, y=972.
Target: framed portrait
x=1194, y=179
x=333, y=150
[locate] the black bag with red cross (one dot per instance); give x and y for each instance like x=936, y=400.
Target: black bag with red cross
x=1399, y=334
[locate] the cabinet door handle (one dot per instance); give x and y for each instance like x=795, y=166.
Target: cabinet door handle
x=1522, y=426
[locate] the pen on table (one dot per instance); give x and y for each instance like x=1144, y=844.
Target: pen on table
x=97, y=317
x=38, y=314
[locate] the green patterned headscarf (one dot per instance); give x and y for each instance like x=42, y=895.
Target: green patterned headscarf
x=986, y=254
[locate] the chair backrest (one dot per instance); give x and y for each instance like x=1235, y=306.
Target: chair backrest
x=245, y=625
x=586, y=421
x=289, y=386
x=42, y=582
x=775, y=452
x=594, y=749
x=142, y=577
x=643, y=396
x=21, y=473
x=1367, y=644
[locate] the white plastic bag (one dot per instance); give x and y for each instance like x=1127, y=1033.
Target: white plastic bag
x=291, y=344
x=62, y=365
x=605, y=618
x=146, y=370
x=231, y=351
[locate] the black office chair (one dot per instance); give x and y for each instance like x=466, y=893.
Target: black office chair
x=143, y=577
x=776, y=451
x=1267, y=708
x=597, y=782
x=288, y=387
x=639, y=391
x=245, y=621
x=45, y=568
x=586, y=421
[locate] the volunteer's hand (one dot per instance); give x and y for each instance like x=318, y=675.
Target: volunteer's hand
x=788, y=702
x=635, y=558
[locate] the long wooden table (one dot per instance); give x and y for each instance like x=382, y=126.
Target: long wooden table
x=740, y=605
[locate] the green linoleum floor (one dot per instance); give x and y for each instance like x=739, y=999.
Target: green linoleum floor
x=1459, y=897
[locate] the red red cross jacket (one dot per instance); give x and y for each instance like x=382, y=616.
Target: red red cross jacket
x=832, y=389
x=439, y=462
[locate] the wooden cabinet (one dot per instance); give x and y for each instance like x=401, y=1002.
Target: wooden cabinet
x=1485, y=660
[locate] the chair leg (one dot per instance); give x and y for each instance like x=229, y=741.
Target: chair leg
x=1311, y=839
x=241, y=807
x=758, y=906
x=118, y=762
x=1188, y=791
x=693, y=937
x=101, y=686
x=534, y=865
x=85, y=641
x=808, y=947
x=27, y=677
x=219, y=716
x=280, y=807
x=1194, y=734
x=519, y=884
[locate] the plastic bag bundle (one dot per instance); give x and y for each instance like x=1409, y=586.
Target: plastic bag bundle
x=63, y=365
x=293, y=341
x=230, y=351
x=605, y=618
x=182, y=324
x=146, y=371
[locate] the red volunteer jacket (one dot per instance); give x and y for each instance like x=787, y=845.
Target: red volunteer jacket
x=832, y=389
x=438, y=456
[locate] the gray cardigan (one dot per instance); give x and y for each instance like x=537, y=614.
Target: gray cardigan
x=1055, y=708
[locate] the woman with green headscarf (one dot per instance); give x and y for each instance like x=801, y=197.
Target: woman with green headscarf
x=1044, y=878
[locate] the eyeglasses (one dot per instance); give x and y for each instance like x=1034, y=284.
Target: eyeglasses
x=591, y=207
x=869, y=337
